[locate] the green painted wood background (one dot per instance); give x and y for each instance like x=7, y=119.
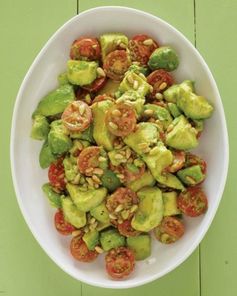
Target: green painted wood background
x=25, y=26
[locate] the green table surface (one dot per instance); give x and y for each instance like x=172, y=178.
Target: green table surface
x=25, y=26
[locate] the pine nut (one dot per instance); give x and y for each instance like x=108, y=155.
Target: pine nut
x=89, y=170
x=120, y=176
x=101, y=159
x=118, y=156
x=133, y=208
x=100, y=72
x=128, y=153
x=98, y=171
x=159, y=96
x=122, y=45
x=90, y=182
x=82, y=109
x=92, y=220
x=148, y=112
x=163, y=85
x=125, y=214
x=76, y=233
x=130, y=79
x=148, y=42
x=113, y=125
x=112, y=216
x=142, y=76
x=116, y=112
x=99, y=250
x=119, y=208
x=96, y=179
x=135, y=84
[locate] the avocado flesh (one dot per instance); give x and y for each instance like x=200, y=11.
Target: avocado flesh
x=170, y=203
x=134, y=99
x=72, y=214
x=160, y=113
x=54, y=198
x=46, y=156
x=191, y=175
x=91, y=239
x=101, y=133
x=150, y=209
x=86, y=200
x=111, y=239
x=81, y=72
x=40, y=128
x=173, y=93
x=145, y=180
x=141, y=246
x=101, y=213
x=143, y=87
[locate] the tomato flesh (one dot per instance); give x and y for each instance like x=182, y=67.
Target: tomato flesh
x=193, y=201
x=120, y=262
x=85, y=48
x=89, y=158
x=80, y=251
x=157, y=79
x=56, y=175
x=95, y=85
x=61, y=225
x=126, y=229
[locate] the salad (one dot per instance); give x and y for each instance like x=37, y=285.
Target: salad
x=117, y=136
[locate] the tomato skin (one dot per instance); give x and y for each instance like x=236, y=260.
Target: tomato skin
x=80, y=251
x=128, y=175
x=192, y=202
x=61, y=225
x=120, y=262
x=101, y=98
x=88, y=158
x=125, y=123
x=126, y=229
x=139, y=51
x=116, y=63
x=95, y=85
x=76, y=120
x=192, y=159
x=157, y=78
x=56, y=175
x=170, y=230
x=178, y=162
x=85, y=48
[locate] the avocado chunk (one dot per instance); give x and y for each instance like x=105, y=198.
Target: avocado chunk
x=182, y=136
x=102, y=226
x=164, y=57
x=46, y=156
x=110, y=42
x=145, y=180
x=81, y=72
x=72, y=214
x=142, y=88
x=173, y=93
x=53, y=197
x=160, y=113
x=198, y=124
x=86, y=200
x=191, y=175
x=174, y=110
x=110, y=88
x=91, y=239
x=58, y=139
x=134, y=99
x=111, y=239
x=71, y=170
x=150, y=209
x=86, y=135
x=40, y=128
x=101, y=133
x=139, y=69
x=141, y=246
x=110, y=180
x=101, y=214
x=170, y=203
x=157, y=160
x=56, y=101
x=146, y=134
x=62, y=78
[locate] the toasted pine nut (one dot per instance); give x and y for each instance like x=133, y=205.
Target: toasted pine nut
x=135, y=84
x=90, y=182
x=98, y=171
x=96, y=179
x=113, y=125
x=148, y=112
x=128, y=153
x=116, y=112
x=133, y=208
x=112, y=216
x=76, y=233
x=100, y=72
x=130, y=79
x=101, y=159
x=118, y=156
x=120, y=176
x=148, y=42
x=119, y=208
x=89, y=170
x=99, y=250
x=82, y=109
x=163, y=85
x=142, y=76
x=122, y=45
x=159, y=96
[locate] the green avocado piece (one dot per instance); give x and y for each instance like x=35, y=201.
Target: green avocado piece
x=173, y=93
x=62, y=78
x=150, y=209
x=86, y=135
x=139, y=69
x=145, y=180
x=110, y=180
x=170, y=203
x=86, y=200
x=164, y=57
x=102, y=226
x=134, y=99
x=111, y=239
x=91, y=239
x=101, y=134
x=101, y=213
x=182, y=136
x=56, y=101
x=72, y=214
x=53, y=197
x=160, y=113
x=146, y=133
x=46, y=156
x=142, y=88
x=81, y=72
x=191, y=175
x=110, y=42
x=71, y=170
x=174, y=110
x=40, y=128
x=109, y=88
x=141, y=246
x=198, y=124
x=58, y=139
x=157, y=160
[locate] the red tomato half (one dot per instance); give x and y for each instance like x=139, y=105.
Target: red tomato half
x=141, y=47
x=120, y=262
x=61, y=225
x=56, y=174
x=101, y=98
x=129, y=175
x=95, y=85
x=85, y=48
x=80, y=251
x=192, y=202
x=88, y=159
x=126, y=229
x=160, y=80
x=116, y=63
x=77, y=116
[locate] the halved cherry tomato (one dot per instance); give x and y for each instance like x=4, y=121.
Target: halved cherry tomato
x=56, y=174
x=141, y=47
x=192, y=159
x=77, y=116
x=178, y=162
x=120, y=262
x=89, y=159
x=192, y=202
x=101, y=98
x=160, y=80
x=116, y=63
x=126, y=229
x=61, y=225
x=121, y=119
x=170, y=230
x=95, y=85
x=83, y=95
x=128, y=174
x=85, y=48
x=80, y=251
